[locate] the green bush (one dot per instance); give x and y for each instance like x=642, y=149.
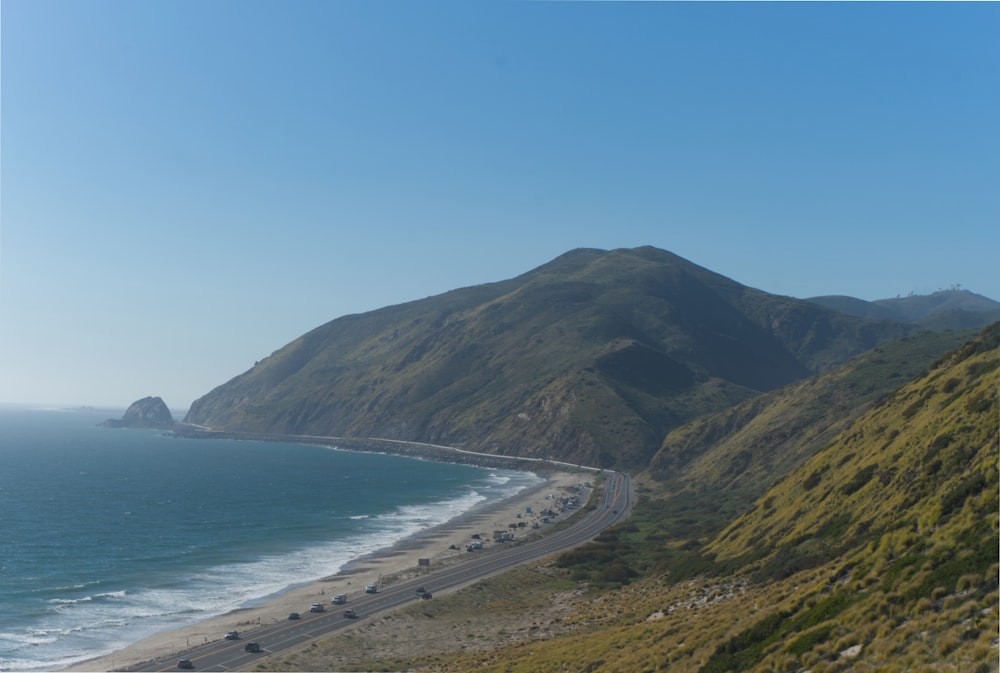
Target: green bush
x=863, y=476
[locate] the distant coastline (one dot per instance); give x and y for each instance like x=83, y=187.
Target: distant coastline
x=397, y=447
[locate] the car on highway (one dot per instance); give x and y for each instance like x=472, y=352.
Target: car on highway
x=221, y=656
x=316, y=607
x=371, y=589
x=293, y=615
x=350, y=614
x=185, y=663
x=232, y=635
x=251, y=647
x=339, y=599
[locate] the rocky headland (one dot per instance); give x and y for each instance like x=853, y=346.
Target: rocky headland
x=149, y=412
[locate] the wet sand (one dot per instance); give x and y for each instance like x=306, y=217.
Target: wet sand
x=442, y=545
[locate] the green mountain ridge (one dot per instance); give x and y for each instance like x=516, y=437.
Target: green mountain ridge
x=944, y=309
x=591, y=358
x=876, y=548
x=732, y=456
x=838, y=512
x=879, y=552
x=931, y=445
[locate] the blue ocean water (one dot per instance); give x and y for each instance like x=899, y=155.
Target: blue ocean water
x=107, y=536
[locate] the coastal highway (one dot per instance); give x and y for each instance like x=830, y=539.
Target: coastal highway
x=225, y=655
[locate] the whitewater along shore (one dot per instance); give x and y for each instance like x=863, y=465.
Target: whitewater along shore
x=436, y=547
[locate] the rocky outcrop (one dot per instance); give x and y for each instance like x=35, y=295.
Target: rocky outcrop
x=149, y=412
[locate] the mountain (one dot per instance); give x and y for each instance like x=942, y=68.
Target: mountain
x=731, y=457
x=879, y=552
x=912, y=463
x=946, y=309
x=591, y=358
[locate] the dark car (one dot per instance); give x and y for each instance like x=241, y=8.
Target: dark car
x=293, y=615
x=185, y=663
x=252, y=647
x=350, y=614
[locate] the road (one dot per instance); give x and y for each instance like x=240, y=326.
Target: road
x=226, y=655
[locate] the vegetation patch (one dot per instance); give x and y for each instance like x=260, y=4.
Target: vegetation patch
x=743, y=651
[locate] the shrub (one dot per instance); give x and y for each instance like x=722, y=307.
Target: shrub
x=863, y=476
x=978, y=403
x=966, y=582
x=807, y=641
x=812, y=480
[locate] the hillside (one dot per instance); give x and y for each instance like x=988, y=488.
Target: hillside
x=945, y=309
x=880, y=552
x=730, y=458
x=921, y=461
x=591, y=358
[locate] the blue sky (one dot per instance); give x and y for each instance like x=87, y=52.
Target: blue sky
x=187, y=185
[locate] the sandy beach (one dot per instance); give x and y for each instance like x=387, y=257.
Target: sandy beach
x=442, y=545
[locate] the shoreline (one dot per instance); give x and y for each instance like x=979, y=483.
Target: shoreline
x=440, y=545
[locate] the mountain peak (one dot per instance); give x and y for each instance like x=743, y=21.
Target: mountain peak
x=463, y=367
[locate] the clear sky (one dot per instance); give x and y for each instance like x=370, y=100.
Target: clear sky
x=187, y=185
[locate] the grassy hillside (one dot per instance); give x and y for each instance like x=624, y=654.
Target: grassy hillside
x=879, y=553
x=923, y=461
x=729, y=458
x=591, y=358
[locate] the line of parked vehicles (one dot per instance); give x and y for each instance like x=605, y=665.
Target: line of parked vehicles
x=338, y=599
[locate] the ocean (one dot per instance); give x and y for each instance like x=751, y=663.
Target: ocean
x=110, y=535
